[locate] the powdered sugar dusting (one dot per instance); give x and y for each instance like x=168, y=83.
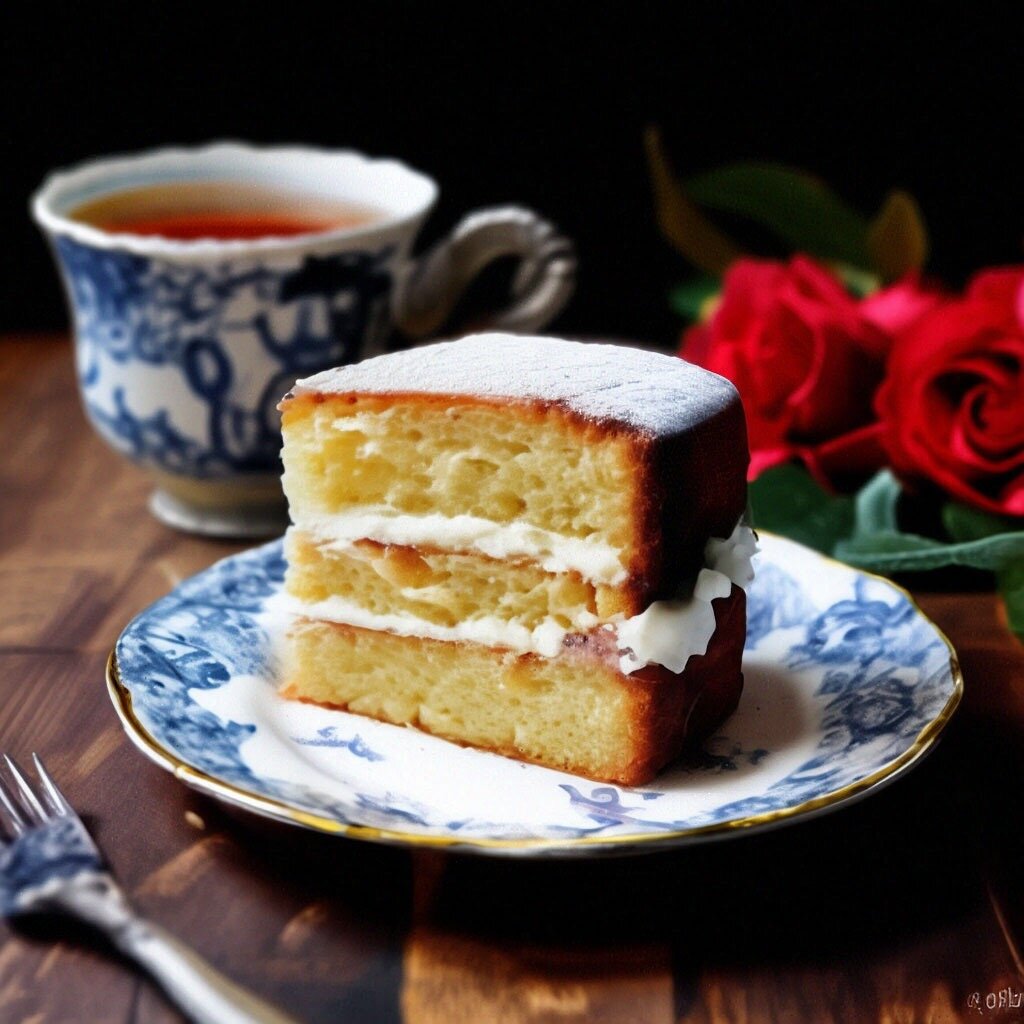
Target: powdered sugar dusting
x=657, y=393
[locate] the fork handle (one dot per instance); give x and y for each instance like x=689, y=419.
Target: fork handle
x=200, y=991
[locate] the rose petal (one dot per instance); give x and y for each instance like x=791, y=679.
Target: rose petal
x=765, y=458
x=994, y=425
x=998, y=291
x=858, y=454
x=837, y=394
x=953, y=404
x=804, y=357
x=896, y=308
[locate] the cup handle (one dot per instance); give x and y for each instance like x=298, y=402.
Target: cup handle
x=426, y=294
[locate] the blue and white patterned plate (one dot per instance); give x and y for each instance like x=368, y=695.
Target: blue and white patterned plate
x=847, y=685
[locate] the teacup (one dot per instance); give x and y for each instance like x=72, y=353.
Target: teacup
x=184, y=345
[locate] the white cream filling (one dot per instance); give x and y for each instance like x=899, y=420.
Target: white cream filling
x=667, y=633
x=591, y=558
x=488, y=630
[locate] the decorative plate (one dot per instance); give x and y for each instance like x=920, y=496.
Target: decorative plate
x=847, y=685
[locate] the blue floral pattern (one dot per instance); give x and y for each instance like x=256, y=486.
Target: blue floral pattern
x=871, y=673
x=328, y=737
x=777, y=602
x=198, y=322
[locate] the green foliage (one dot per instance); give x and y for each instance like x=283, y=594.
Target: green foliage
x=964, y=523
x=858, y=282
x=897, y=239
x=875, y=506
x=690, y=300
x=796, y=207
x=784, y=499
x=799, y=208
x=909, y=552
x=864, y=531
x=681, y=221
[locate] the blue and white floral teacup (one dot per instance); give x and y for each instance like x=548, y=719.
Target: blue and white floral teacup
x=184, y=347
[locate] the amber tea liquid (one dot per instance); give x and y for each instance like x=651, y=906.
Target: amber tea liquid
x=224, y=211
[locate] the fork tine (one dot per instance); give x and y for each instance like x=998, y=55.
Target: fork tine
x=13, y=820
x=56, y=798
x=29, y=801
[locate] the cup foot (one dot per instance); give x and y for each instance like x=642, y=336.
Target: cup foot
x=258, y=520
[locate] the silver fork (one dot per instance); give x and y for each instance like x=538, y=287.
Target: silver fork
x=49, y=863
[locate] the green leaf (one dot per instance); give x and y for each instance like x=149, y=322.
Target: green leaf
x=858, y=282
x=690, y=300
x=875, y=505
x=796, y=206
x=897, y=239
x=785, y=499
x=965, y=523
x=907, y=552
x=1011, y=586
x=980, y=541
x=863, y=531
x=682, y=224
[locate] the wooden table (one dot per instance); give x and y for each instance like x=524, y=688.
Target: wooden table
x=906, y=907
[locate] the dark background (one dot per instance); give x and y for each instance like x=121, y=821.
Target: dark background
x=543, y=104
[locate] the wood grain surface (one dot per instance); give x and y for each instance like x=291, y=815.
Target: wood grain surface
x=906, y=907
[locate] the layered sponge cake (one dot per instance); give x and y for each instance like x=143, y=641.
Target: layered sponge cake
x=528, y=545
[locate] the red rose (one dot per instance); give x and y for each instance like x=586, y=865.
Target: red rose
x=952, y=406
x=807, y=359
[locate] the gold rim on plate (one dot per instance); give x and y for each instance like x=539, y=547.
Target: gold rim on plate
x=280, y=811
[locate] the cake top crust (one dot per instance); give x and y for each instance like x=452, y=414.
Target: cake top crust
x=657, y=393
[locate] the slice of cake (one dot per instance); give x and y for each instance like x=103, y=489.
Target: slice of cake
x=528, y=545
